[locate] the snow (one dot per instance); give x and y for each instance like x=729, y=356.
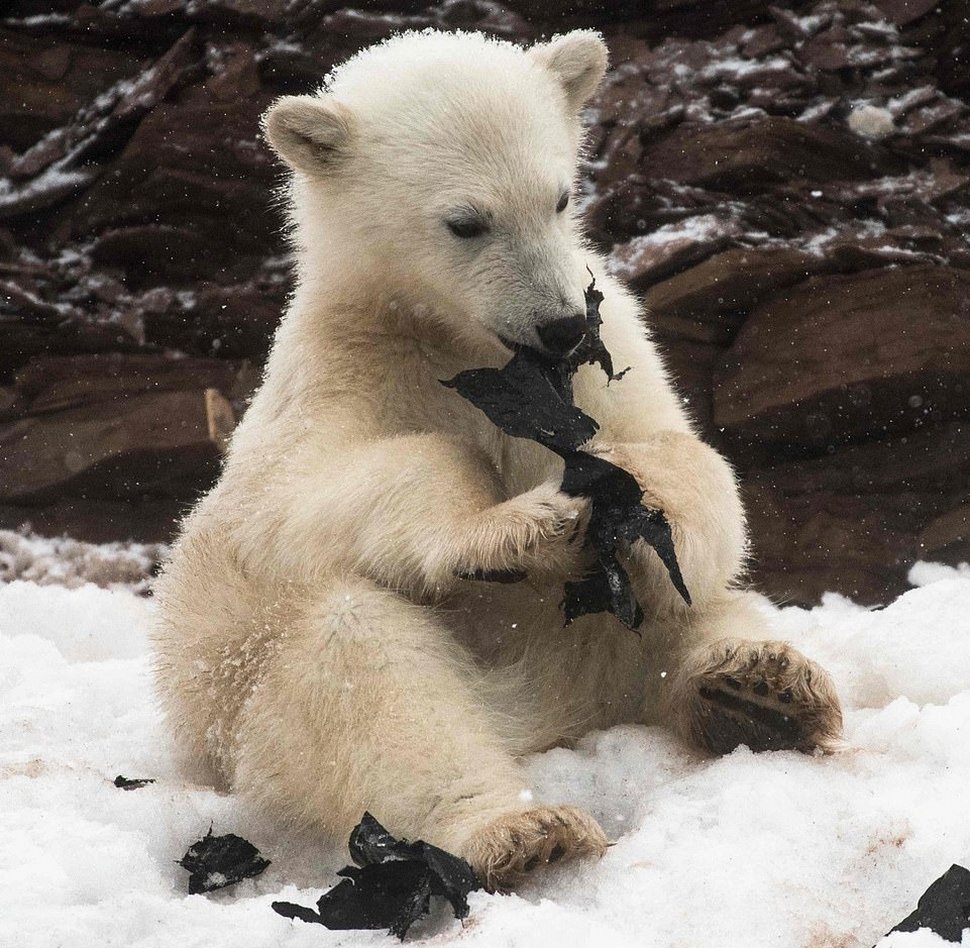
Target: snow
x=737, y=68
x=700, y=229
x=869, y=121
x=748, y=850
x=72, y=563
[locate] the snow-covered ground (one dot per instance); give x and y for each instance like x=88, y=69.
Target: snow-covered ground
x=749, y=851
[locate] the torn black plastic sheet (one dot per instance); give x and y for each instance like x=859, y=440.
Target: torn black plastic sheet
x=617, y=516
x=944, y=907
x=528, y=398
x=592, y=350
x=532, y=397
x=391, y=886
x=545, y=388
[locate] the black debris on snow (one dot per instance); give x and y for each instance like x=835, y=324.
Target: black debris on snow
x=944, y=907
x=132, y=783
x=390, y=886
x=215, y=862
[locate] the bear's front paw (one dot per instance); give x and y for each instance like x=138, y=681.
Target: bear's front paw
x=696, y=490
x=541, y=531
x=766, y=695
x=511, y=847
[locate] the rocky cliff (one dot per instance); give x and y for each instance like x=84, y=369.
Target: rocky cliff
x=788, y=187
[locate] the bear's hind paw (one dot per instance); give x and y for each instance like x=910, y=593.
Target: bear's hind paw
x=505, y=851
x=765, y=695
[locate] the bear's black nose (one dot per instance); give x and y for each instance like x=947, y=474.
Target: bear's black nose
x=563, y=335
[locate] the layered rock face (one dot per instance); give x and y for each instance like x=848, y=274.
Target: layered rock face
x=788, y=187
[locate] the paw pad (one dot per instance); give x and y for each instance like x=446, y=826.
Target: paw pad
x=768, y=697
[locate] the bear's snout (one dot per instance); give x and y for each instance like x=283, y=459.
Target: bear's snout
x=563, y=335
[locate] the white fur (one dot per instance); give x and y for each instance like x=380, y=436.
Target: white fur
x=315, y=647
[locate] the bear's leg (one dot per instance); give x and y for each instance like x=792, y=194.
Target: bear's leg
x=367, y=703
x=729, y=683
x=725, y=682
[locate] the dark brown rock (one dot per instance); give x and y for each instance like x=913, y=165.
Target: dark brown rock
x=61, y=162
x=763, y=40
x=153, y=254
x=839, y=358
x=235, y=322
x=947, y=537
x=902, y=12
x=143, y=444
x=635, y=205
x=951, y=47
x=11, y=402
x=856, y=519
x=146, y=519
x=689, y=362
x=197, y=165
x=586, y=11
x=728, y=284
x=814, y=543
x=51, y=384
x=44, y=83
x=24, y=340
x=646, y=260
x=693, y=19
x=747, y=157
x=928, y=462
x=803, y=282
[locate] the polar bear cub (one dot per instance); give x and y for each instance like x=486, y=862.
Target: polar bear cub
x=317, y=649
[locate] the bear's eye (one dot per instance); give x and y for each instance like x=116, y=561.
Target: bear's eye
x=563, y=201
x=467, y=227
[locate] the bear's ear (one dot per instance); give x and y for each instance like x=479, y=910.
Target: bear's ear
x=578, y=60
x=310, y=133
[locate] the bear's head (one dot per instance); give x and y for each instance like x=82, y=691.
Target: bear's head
x=439, y=167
